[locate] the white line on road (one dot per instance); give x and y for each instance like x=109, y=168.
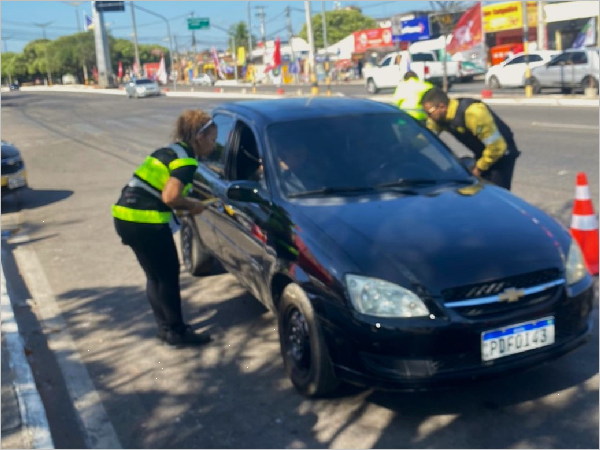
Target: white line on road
x=564, y=125
x=97, y=429
x=33, y=414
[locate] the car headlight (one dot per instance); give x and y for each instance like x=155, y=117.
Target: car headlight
x=575, y=266
x=379, y=298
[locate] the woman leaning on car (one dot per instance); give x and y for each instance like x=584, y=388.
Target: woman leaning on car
x=145, y=221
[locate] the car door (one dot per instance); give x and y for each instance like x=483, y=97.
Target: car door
x=210, y=182
x=242, y=226
x=385, y=71
x=580, y=68
x=512, y=72
x=553, y=73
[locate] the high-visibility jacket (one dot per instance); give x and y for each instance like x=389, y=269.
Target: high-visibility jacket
x=408, y=97
x=141, y=199
x=476, y=126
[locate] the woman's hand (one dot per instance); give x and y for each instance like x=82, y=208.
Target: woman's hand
x=196, y=207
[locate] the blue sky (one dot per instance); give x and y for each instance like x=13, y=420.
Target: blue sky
x=19, y=19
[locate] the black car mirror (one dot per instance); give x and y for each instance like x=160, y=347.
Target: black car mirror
x=245, y=191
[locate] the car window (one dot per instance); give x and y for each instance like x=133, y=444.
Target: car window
x=562, y=58
x=144, y=82
x=357, y=150
x=216, y=160
x=422, y=57
x=535, y=58
x=579, y=58
x=517, y=60
x=248, y=164
x=386, y=61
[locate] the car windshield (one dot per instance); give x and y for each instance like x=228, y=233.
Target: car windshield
x=144, y=82
x=357, y=153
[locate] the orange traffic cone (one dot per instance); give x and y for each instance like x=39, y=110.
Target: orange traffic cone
x=584, y=225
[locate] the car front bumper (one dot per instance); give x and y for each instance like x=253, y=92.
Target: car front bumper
x=420, y=354
x=14, y=181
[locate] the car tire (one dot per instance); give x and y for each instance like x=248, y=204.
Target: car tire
x=196, y=258
x=536, y=86
x=372, y=87
x=303, y=348
x=585, y=84
x=494, y=83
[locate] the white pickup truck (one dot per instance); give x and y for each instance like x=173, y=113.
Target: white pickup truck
x=390, y=71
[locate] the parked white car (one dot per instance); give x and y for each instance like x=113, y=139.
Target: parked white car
x=142, y=87
x=572, y=70
x=203, y=79
x=390, y=71
x=511, y=72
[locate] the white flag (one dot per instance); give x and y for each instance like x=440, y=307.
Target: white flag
x=161, y=75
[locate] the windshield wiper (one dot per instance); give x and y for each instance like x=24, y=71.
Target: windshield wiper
x=331, y=190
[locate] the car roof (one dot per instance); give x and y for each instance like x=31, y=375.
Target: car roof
x=287, y=109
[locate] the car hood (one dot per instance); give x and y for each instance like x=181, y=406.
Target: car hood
x=9, y=152
x=443, y=240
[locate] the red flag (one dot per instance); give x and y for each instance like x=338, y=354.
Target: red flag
x=276, y=61
x=468, y=31
x=120, y=69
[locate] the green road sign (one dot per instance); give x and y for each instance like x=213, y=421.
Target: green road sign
x=198, y=23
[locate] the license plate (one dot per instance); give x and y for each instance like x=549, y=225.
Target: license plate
x=517, y=339
x=16, y=181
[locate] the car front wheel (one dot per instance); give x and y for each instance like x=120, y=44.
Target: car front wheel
x=494, y=83
x=196, y=259
x=303, y=347
x=372, y=87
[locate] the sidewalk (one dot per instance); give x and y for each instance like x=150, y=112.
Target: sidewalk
x=559, y=100
x=24, y=422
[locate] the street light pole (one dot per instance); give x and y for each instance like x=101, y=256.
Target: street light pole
x=170, y=39
x=528, y=89
x=311, y=52
x=135, y=41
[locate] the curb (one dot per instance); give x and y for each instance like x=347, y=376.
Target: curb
x=31, y=408
x=591, y=103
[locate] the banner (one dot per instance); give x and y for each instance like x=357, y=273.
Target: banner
x=375, y=38
x=587, y=35
x=508, y=16
x=215, y=58
x=161, y=73
x=416, y=29
x=468, y=31
x=89, y=22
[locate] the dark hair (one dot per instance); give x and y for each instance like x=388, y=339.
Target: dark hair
x=410, y=74
x=189, y=123
x=436, y=96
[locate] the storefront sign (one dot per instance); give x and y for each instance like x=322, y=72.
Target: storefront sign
x=370, y=39
x=508, y=16
x=410, y=30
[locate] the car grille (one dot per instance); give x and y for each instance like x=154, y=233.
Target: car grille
x=11, y=166
x=497, y=287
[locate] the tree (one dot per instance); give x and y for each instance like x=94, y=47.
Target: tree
x=447, y=19
x=239, y=31
x=339, y=25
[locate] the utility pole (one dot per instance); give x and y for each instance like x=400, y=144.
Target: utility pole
x=288, y=20
x=43, y=27
x=249, y=31
x=105, y=78
x=528, y=89
x=234, y=57
x=311, y=52
x=177, y=57
x=135, y=41
x=541, y=26
x=194, y=38
x=324, y=24
x=263, y=31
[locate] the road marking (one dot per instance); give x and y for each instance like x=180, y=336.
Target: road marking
x=96, y=427
x=564, y=125
x=33, y=414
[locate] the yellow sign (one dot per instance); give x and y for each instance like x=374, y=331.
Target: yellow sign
x=508, y=16
x=241, y=56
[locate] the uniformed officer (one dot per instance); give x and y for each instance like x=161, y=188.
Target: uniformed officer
x=476, y=126
x=409, y=93
x=145, y=221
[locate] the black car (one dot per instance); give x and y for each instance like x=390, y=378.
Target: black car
x=14, y=87
x=386, y=262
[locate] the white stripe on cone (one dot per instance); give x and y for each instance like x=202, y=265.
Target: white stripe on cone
x=582, y=193
x=584, y=223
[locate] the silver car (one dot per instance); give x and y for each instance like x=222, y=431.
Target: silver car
x=143, y=87
x=572, y=70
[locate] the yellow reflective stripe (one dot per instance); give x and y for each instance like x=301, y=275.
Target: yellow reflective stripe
x=140, y=215
x=153, y=172
x=181, y=162
x=493, y=138
x=186, y=190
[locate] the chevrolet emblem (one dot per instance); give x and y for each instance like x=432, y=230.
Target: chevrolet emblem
x=511, y=295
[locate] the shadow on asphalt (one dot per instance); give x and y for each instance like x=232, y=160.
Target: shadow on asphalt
x=32, y=198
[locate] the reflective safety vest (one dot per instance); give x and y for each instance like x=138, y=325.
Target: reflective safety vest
x=151, y=176
x=408, y=97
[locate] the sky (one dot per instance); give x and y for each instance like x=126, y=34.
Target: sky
x=20, y=20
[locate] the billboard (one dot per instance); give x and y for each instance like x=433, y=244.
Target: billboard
x=416, y=29
x=370, y=39
x=508, y=16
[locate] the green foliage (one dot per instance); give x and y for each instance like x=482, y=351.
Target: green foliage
x=339, y=25
x=239, y=31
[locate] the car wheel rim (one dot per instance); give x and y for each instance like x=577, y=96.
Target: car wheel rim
x=298, y=342
x=186, y=236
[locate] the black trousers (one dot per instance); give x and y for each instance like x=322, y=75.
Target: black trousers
x=155, y=250
x=501, y=173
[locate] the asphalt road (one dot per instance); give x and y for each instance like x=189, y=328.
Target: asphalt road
x=88, y=293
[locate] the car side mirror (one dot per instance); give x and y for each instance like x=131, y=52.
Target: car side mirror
x=246, y=192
